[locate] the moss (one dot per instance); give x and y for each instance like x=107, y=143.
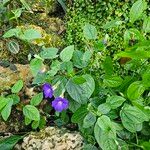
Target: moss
x=98, y=13
x=48, y=6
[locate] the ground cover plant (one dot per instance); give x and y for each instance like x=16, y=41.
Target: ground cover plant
x=104, y=95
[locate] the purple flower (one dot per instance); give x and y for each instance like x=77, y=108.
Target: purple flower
x=47, y=90
x=60, y=104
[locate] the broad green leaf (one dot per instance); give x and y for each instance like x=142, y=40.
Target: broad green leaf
x=13, y=47
x=115, y=101
x=137, y=54
x=130, y=33
x=60, y=84
x=79, y=80
x=81, y=59
x=17, y=86
x=89, y=120
x=108, y=66
x=87, y=56
x=135, y=90
x=89, y=32
x=112, y=24
x=55, y=67
x=7, y=109
x=49, y=53
x=9, y=142
x=89, y=147
x=36, y=99
x=40, y=78
x=113, y=81
x=16, y=98
x=12, y=32
x=146, y=25
x=3, y=102
x=68, y=66
x=103, y=108
x=146, y=77
x=35, y=124
x=79, y=114
x=31, y=112
x=82, y=92
x=67, y=53
x=105, y=133
x=77, y=59
x=137, y=10
x=35, y=66
x=131, y=117
x=73, y=105
x=31, y=34
x=27, y=121
x=145, y=145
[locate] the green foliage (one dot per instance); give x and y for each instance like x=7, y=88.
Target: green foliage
x=9, y=142
x=137, y=10
x=108, y=95
x=67, y=53
x=17, y=86
x=31, y=112
x=36, y=99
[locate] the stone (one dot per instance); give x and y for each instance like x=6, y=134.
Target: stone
x=8, y=76
x=52, y=138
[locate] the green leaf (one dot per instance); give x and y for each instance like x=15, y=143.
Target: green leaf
x=3, y=102
x=17, y=13
x=87, y=56
x=89, y=147
x=49, y=53
x=79, y=114
x=12, y=32
x=115, y=101
x=63, y=5
x=35, y=124
x=79, y=80
x=17, y=86
x=13, y=47
x=103, y=108
x=25, y=4
x=67, y=53
x=16, y=98
x=9, y=142
x=27, y=121
x=89, y=120
x=81, y=92
x=7, y=109
x=146, y=25
x=31, y=112
x=59, y=83
x=36, y=99
x=137, y=10
x=73, y=105
x=105, y=133
x=135, y=90
x=146, y=78
x=108, y=66
x=35, y=66
x=81, y=59
x=131, y=117
x=137, y=54
x=113, y=81
x=31, y=34
x=112, y=24
x=89, y=32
